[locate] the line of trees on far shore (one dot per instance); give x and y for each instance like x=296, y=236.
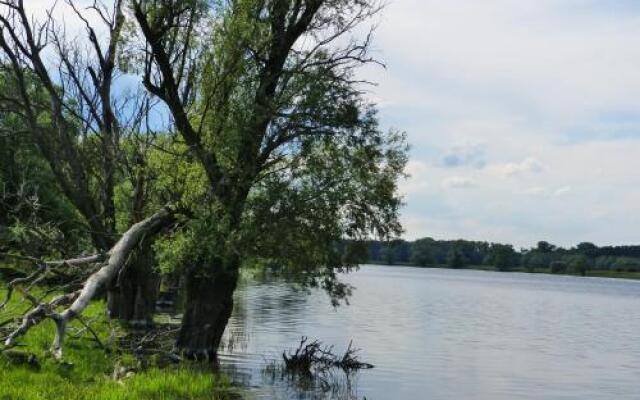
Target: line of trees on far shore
x=430, y=252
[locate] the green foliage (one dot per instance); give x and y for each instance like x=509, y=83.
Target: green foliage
x=558, y=267
x=502, y=256
x=301, y=162
x=422, y=253
x=395, y=251
x=626, y=264
x=535, y=259
x=57, y=161
x=587, y=249
x=579, y=264
x=580, y=260
x=545, y=247
x=455, y=259
x=35, y=217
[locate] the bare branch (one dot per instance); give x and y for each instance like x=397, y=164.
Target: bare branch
x=79, y=300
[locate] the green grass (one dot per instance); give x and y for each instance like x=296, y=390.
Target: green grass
x=58, y=383
x=87, y=369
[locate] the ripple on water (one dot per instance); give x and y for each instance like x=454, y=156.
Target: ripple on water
x=447, y=334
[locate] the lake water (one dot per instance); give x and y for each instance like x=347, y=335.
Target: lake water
x=449, y=334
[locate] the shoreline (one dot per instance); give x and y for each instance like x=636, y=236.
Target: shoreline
x=590, y=274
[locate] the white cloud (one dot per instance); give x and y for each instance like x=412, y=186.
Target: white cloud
x=547, y=54
x=417, y=181
x=540, y=191
x=561, y=191
x=528, y=165
x=536, y=191
x=458, y=182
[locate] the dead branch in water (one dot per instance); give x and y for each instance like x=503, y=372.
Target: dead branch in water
x=312, y=355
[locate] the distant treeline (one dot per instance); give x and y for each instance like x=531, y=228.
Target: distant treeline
x=464, y=253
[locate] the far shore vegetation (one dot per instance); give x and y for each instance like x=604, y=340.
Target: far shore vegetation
x=585, y=259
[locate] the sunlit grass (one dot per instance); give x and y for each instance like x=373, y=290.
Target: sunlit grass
x=86, y=372
x=62, y=383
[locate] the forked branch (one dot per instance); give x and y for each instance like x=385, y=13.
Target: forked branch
x=78, y=301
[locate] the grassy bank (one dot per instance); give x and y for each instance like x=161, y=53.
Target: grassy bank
x=59, y=382
x=86, y=372
x=592, y=273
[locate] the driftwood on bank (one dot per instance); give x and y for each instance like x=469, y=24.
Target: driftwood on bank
x=43, y=268
x=108, y=266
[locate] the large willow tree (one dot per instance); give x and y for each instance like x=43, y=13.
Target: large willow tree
x=292, y=158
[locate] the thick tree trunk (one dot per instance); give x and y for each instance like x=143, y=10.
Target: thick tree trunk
x=133, y=293
x=208, y=306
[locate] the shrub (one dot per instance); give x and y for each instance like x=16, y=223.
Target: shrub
x=558, y=267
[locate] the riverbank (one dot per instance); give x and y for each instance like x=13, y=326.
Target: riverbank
x=88, y=370
x=591, y=273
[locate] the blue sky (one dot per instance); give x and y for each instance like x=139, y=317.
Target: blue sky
x=523, y=116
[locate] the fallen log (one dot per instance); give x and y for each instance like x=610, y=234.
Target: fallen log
x=109, y=266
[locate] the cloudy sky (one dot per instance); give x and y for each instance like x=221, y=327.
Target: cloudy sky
x=523, y=116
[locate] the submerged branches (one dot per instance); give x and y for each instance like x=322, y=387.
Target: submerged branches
x=315, y=366
x=313, y=356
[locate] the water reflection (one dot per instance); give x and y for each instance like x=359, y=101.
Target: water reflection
x=442, y=334
x=333, y=384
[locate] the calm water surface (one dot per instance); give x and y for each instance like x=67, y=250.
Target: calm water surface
x=446, y=334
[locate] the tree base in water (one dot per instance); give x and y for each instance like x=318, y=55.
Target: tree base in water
x=208, y=307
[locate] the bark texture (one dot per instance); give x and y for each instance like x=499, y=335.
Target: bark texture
x=133, y=292
x=209, y=303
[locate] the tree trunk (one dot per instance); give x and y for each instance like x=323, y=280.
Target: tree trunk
x=133, y=293
x=208, y=306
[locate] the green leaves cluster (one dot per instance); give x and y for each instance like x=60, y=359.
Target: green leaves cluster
x=34, y=215
x=301, y=159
